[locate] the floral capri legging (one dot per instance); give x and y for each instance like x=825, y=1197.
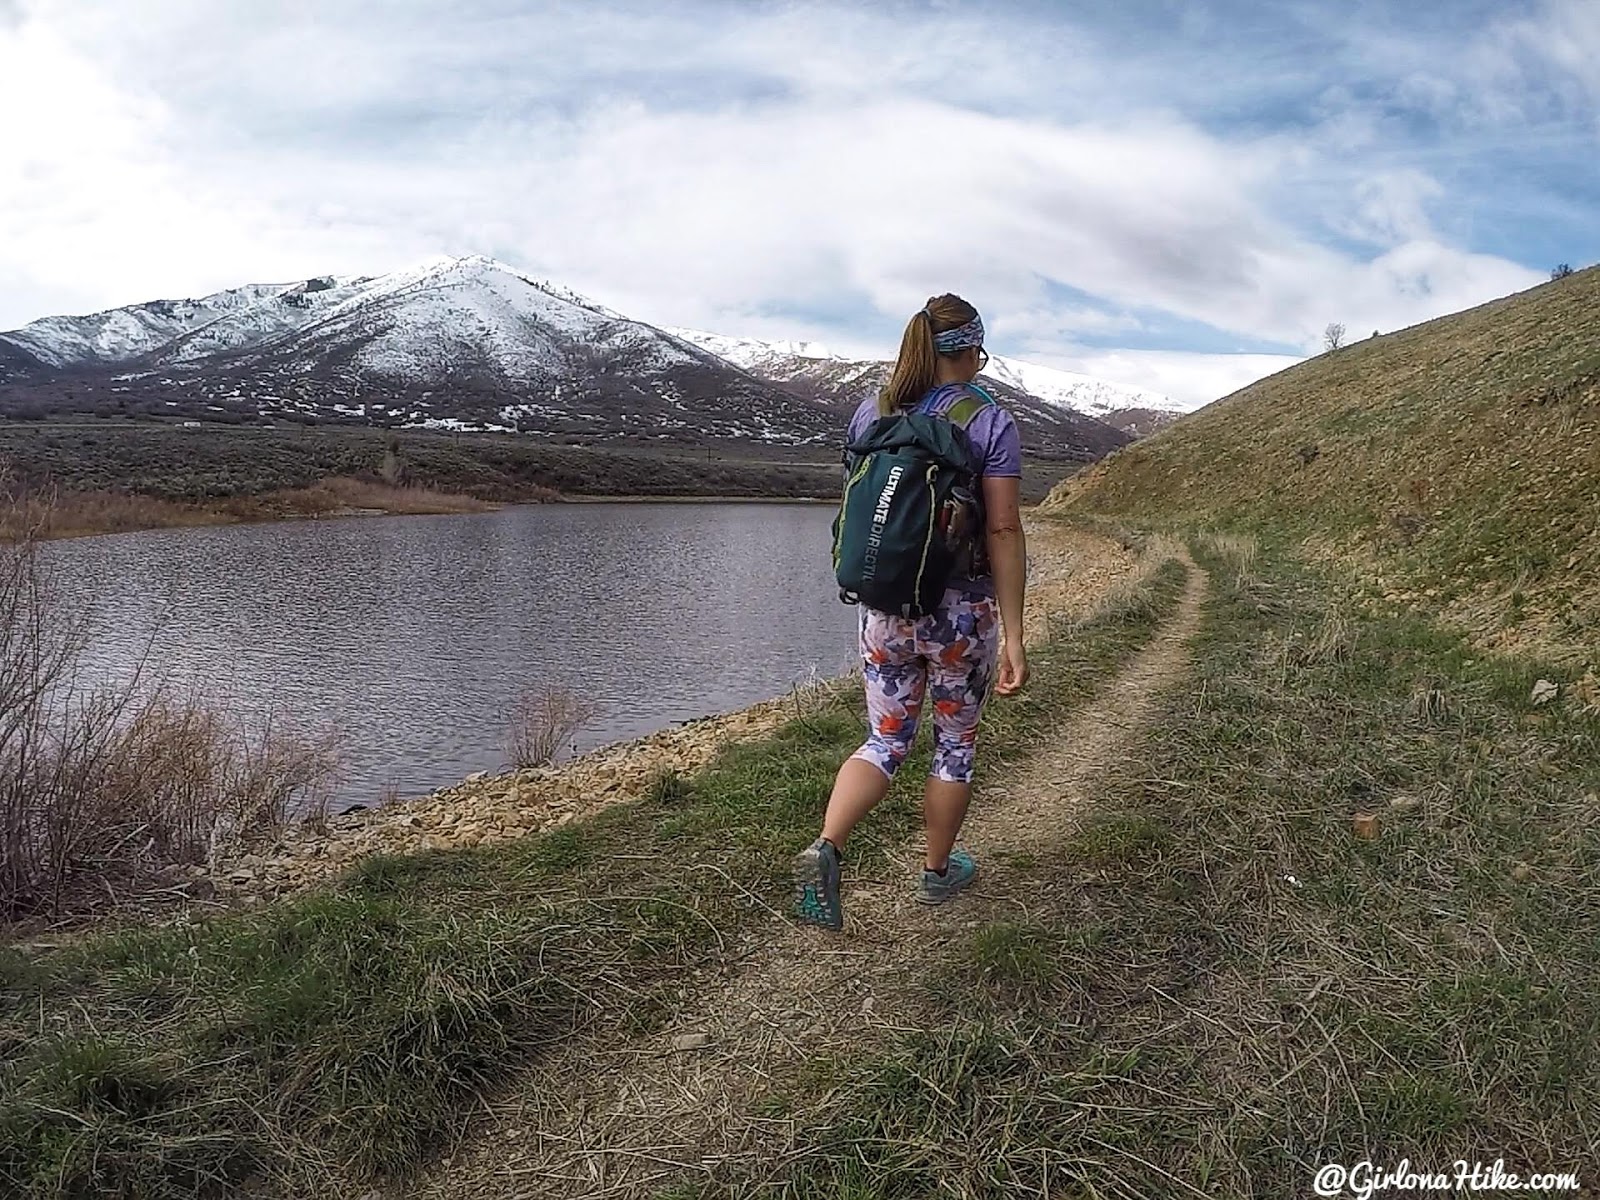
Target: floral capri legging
x=950, y=652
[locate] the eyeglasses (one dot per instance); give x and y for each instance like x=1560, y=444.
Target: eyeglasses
x=983, y=358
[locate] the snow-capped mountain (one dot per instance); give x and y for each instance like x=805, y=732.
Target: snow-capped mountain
x=1135, y=411
x=461, y=342
x=789, y=362
x=470, y=343
x=1131, y=410
x=756, y=355
x=455, y=318
x=121, y=335
x=1070, y=389
x=808, y=368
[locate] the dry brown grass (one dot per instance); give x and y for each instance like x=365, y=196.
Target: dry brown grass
x=341, y=493
x=1238, y=550
x=81, y=514
x=198, y=783
x=1128, y=591
x=101, y=787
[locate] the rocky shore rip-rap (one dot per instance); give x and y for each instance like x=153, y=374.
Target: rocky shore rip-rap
x=1069, y=569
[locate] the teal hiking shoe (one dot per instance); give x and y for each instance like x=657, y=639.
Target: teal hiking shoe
x=958, y=872
x=816, y=886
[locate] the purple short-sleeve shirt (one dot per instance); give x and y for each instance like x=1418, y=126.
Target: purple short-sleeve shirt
x=992, y=432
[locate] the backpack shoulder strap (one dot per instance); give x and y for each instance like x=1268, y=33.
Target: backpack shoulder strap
x=969, y=406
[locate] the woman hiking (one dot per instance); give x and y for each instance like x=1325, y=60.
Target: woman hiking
x=950, y=652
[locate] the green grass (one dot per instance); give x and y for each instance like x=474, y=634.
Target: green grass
x=353, y=1033
x=1236, y=989
x=351, y=1029
x=1454, y=461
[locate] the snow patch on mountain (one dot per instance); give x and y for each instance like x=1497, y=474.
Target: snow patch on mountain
x=123, y=334
x=787, y=360
x=284, y=309
x=438, y=320
x=1069, y=389
x=754, y=354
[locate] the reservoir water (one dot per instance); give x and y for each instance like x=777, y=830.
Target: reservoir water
x=411, y=637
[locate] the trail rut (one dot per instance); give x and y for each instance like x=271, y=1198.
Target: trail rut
x=684, y=1101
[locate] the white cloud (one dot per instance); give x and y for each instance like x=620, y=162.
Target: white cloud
x=1057, y=325
x=796, y=161
x=1390, y=207
x=1505, y=66
x=76, y=181
x=1190, y=379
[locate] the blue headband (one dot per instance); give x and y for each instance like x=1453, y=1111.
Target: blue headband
x=959, y=338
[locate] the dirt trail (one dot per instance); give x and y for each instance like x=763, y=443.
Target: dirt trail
x=623, y=1121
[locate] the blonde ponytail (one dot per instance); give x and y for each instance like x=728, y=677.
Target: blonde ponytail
x=916, y=369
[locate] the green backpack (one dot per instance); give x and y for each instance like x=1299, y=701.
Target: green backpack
x=911, y=516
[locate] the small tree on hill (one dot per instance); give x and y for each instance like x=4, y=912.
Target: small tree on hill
x=1333, y=336
x=1561, y=271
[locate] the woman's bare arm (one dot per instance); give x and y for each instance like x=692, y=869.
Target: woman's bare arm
x=1008, y=557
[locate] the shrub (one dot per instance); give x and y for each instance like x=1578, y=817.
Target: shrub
x=544, y=720
x=111, y=783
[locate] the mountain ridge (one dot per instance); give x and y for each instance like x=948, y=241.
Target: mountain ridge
x=1131, y=410
x=454, y=343
x=457, y=343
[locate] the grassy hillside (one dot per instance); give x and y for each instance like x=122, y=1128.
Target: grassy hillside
x=1455, y=464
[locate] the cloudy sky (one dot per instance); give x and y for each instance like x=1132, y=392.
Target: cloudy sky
x=1177, y=194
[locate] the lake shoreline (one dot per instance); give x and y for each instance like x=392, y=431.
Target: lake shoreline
x=64, y=516
x=692, y=499
x=121, y=477
x=488, y=806
x=410, y=654
x=83, y=515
